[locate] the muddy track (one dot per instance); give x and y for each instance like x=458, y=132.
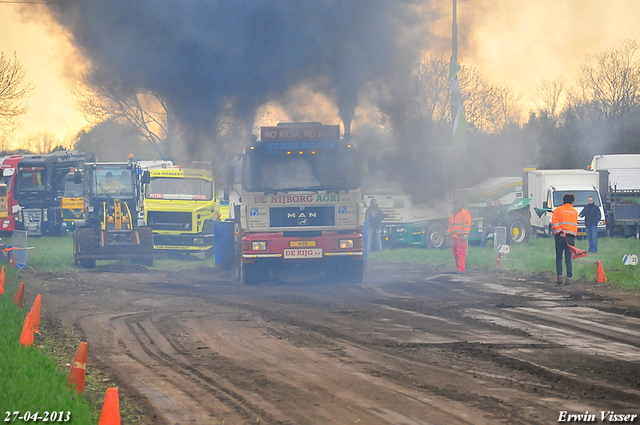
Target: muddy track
x=408, y=346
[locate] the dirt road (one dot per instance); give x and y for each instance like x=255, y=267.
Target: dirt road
x=408, y=346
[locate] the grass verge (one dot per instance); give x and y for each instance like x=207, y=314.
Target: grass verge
x=55, y=254
x=29, y=380
x=532, y=258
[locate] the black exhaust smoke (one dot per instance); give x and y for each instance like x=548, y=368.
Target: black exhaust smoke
x=212, y=59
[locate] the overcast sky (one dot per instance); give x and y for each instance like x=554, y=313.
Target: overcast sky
x=514, y=42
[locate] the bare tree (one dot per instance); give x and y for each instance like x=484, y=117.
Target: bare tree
x=41, y=142
x=101, y=99
x=548, y=95
x=489, y=107
x=611, y=80
x=431, y=84
x=508, y=111
x=12, y=93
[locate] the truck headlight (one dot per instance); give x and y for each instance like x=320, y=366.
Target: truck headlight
x=401, y=230
x=45, y=215
x=385, y=231
x=346, y=243
x=198, y=241
x=90, y=208
x=259, y=246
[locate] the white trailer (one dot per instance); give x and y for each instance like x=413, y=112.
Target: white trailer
x=546, y=189
x=620, y=190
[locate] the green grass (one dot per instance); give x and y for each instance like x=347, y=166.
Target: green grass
x=29, y=380
x=534, y=257
x=55, y=254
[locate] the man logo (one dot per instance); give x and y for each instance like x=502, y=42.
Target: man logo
x=301, y=215
x=253, y=211
x=302, y=222
x=342, y=210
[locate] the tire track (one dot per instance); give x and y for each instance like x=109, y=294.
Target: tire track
x=230, y=398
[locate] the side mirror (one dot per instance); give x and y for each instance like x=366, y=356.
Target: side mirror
x=146, y=177
x=545, y=205
x=77, y=177
x=1, y=172
x=225, y=194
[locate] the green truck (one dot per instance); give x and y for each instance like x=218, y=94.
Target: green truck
x=425, y=224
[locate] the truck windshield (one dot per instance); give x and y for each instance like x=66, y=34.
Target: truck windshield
x=581, y=197
x=72, y=189
x=179, y=188
x=32, y=178
x=267, y=170
x=113, y=180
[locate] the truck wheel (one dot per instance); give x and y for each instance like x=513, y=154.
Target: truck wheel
x=87, y=240
x=249, y=274
x=435, y=236
x=355, y=272
x=146, y=238
x=518, y=229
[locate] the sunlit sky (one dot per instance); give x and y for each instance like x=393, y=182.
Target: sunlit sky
x=513, y=42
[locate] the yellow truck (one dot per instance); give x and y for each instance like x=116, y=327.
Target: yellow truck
x=181, y=207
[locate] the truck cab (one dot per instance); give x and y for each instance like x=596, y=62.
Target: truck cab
x=301, y=202
x=546, y=189
x=181, y=207
x=39, y=189
x=554, y=200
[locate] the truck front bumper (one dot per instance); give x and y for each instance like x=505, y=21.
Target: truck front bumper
x=279, y=245
x=191, y=242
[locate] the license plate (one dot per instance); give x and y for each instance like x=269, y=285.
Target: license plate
x=302, y=243
x=303, y=253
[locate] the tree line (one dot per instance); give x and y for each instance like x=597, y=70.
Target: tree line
x=599, y=113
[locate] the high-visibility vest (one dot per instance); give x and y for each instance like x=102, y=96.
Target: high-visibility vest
x=459, y=223
x=565, y=219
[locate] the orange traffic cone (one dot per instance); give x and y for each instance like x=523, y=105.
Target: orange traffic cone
x=111, y=408
x=12, y=260
x=35, y=314
x=27, y=332
x=19, y=298
x=78, y=369
x=601, y=276
x=3, y=276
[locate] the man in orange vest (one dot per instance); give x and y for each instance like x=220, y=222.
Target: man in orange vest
x=565, y=228
x=459, y=228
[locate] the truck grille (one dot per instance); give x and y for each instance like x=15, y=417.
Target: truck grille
x=302, y=217
x=32, y=221
x=32, y=216
x=169, y=220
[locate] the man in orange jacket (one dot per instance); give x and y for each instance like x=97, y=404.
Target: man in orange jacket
x=565, y=228
x=459, y=228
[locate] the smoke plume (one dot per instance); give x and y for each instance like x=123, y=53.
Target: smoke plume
x=207, y=58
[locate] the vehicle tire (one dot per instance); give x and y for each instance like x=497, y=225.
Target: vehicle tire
x=435, y=236
x=249, y=274
x=87, y=240
x=146, y=238
x=518, y=229
x=355, y=271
